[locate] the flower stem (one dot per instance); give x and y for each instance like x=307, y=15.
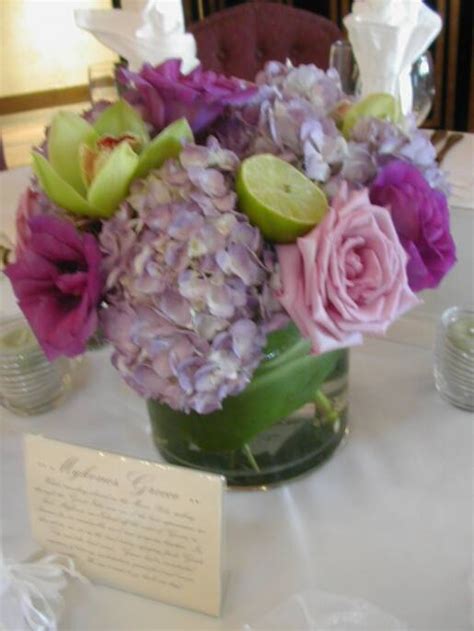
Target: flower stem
x=324, y=404
x=250, y=458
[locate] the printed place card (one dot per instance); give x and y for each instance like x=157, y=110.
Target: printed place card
x=145, y=527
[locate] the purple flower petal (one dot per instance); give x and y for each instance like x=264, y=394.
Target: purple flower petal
x=421, y=218
x=58, y=283
x=164, y=94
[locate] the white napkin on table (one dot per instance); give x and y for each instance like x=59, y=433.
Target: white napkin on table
x=387, y=37
x=153, y=35
x=31, y=592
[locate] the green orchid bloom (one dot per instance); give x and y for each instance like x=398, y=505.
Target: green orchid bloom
x=383, y=106
x=90, y=166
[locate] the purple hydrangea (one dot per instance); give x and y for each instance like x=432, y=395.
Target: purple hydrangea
x=290, y=117
x=322, y=90
x=189, y=284
x=375, y=142
x=294, y=116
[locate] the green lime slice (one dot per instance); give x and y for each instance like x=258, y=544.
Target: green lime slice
x=379, y=105
x=279, y=199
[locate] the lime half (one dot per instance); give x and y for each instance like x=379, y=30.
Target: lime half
x=279, y=199
x=380, y=105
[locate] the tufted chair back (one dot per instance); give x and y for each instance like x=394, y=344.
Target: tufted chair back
x=238, y=41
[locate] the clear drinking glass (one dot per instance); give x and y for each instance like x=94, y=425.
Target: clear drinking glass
x=341, y=58
x=102, y=82
x=29, y=383
x=454, y=357
x=423, y=83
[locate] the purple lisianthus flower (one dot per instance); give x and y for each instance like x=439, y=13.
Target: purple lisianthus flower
x=57, y=282
x=421, y=217
x=164, y=94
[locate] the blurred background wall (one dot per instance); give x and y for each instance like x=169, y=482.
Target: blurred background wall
x=41, y=46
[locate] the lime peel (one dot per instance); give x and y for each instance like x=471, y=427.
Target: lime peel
x=277, y=198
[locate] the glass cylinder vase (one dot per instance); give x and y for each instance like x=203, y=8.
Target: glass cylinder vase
x=291, y=417
x=29, y=383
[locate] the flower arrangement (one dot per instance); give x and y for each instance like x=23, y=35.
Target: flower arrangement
x=137, y=220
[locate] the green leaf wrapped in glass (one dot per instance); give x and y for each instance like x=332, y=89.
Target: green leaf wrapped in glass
x=291, y=417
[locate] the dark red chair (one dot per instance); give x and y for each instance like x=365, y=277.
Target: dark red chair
x=238, y=41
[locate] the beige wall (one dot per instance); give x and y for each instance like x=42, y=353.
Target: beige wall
x=41, y=47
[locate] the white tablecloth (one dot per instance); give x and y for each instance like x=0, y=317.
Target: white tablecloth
x=387, y=519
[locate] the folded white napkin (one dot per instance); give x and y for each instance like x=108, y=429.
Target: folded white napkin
x=154, y=35
x=387, y=37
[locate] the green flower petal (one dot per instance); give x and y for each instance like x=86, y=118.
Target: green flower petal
x=62, y=193
x=383, y=106
x=69, y=131
x=167, y=144
x=120, y=119
x=111, y=184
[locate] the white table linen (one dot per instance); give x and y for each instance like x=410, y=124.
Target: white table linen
x=388, y=519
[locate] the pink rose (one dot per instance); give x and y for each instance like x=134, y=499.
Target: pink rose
x=347, y=276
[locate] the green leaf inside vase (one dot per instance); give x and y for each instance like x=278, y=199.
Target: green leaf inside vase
x=280, y=386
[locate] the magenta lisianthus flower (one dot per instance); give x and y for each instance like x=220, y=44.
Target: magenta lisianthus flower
x=421, y=218
x=347, y=276
x=57, y=282
x=33, y=202
x=28, y=207
x=165, y=94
